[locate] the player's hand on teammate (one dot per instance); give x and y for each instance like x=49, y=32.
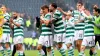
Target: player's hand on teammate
x=60, y=9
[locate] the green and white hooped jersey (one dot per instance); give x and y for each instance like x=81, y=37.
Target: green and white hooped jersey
x=6, y=28
x=46, y=30
x=58, y=24
x=77, y=15
x=89, y=27
x=18, y=31
x=70, y=31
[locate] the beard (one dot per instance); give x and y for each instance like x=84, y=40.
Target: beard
x=51, y=10
x=15, y=17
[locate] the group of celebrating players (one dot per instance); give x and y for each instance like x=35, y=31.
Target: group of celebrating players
x=81, y=27
x=8, y=22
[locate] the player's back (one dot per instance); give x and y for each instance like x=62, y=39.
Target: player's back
x=58, y=24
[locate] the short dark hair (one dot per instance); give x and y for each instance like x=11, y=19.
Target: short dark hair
x=97, y=10
x=15, y=11
x=44, y=6
x=80, y=3
x=54, y=5
x=4, y=6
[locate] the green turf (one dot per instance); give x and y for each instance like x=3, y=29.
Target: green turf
x=35, y=53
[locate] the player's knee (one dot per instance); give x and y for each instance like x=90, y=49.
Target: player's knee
x=7, y=45
x=92, y=48
x=59, y=45
x=82, y=48
x=39, y=47
x=68, y=45
x=49, y=49
x=78, y=44
x=19, y=46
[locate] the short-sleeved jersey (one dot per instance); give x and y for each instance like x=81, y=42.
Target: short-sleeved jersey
x=6, y=26
x=77, y=15
x=58, y=24
x=70, y=31
x=46, y=30
x=89, y=27
x=18, y=31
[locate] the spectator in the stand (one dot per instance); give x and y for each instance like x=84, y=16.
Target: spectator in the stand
x=35, y=43
x=28, y=22
x=30, y=43
x=26, y=43
x=33, y=34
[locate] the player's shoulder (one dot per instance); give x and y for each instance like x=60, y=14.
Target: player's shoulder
x=57, y=12
x=48, y=14
x=20, y=18
x=7, y=14
x=75, y=11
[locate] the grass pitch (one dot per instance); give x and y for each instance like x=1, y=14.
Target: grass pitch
x=35, y=53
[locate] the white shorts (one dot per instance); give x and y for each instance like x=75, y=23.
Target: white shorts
x=46, y=40
x=59, y=37
x=69, y=40
x=5, y=38
x=18, y=40
x=89, y=41
x=79, y=34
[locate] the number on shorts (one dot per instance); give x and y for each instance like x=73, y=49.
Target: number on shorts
x=91, y=42
x=80, y=35
x=59, y=38
x=47, y=43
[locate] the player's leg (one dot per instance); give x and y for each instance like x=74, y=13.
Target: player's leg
x=1, y=46
x=79, y=35
x=39, y=47
x=44, y=49
x=96, y=39
x=90, y=52
x=14, y=50
x=78, y=44
x=19, y=46
x=69, y=43
x=7, y=44
x=20, y=49
x=83, y=46
x=60, y=40
x=2, y=50
x=49, y=44
x=93, y=51
x=81, y=53
x=92, y=45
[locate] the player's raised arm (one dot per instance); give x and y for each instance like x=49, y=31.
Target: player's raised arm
x=61, y=10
